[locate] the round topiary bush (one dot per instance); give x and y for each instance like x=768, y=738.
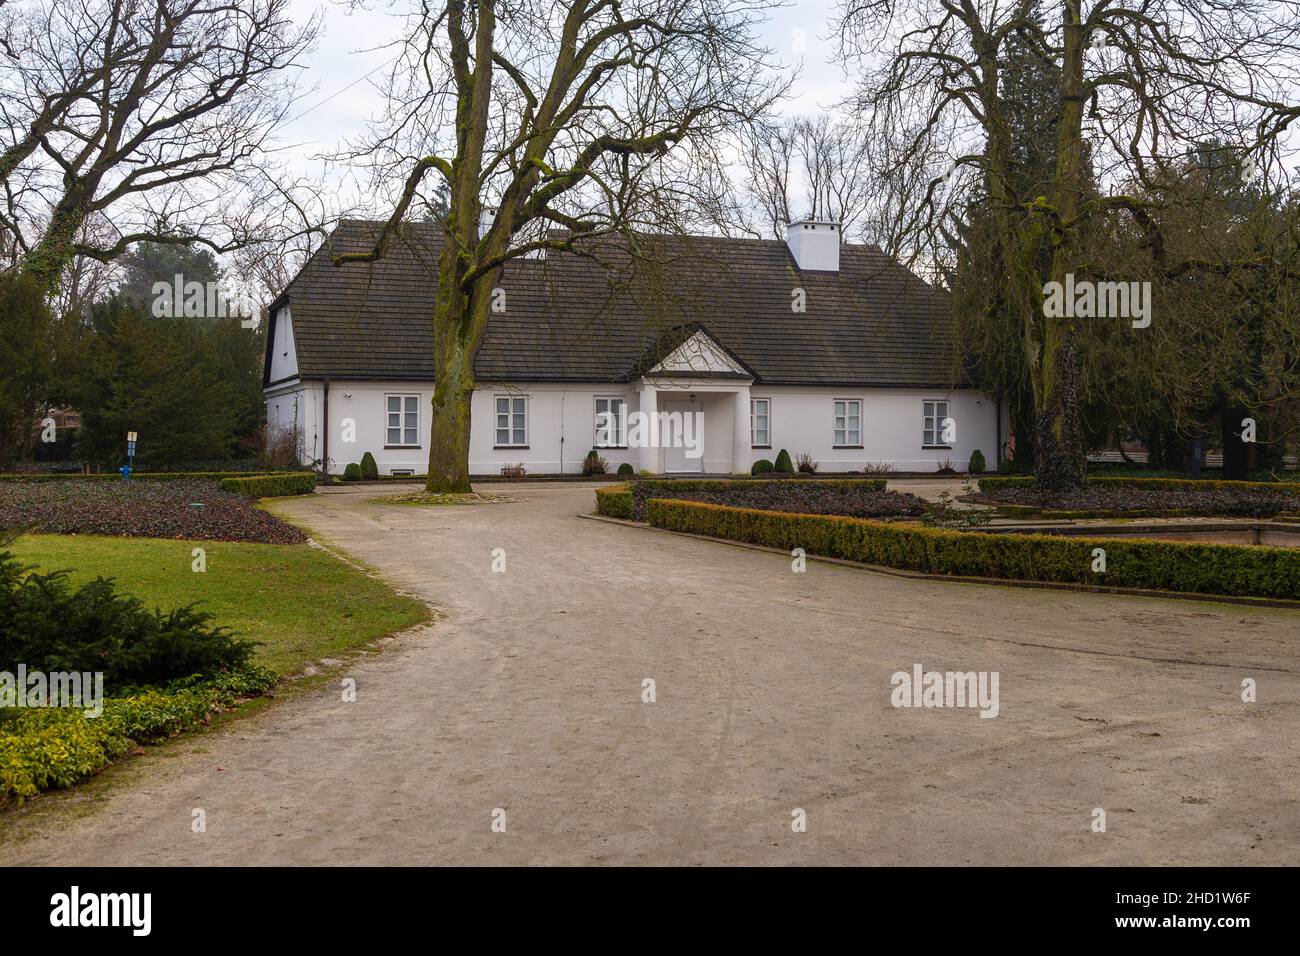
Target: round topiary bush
x=761, y=467
x=352, y=472
x=369, y=470
x=783, y=466
x=976, y=465
x=625, y=469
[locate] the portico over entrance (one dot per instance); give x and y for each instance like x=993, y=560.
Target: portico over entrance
x=694, y=412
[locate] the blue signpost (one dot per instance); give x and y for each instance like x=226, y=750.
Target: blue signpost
x=130, y=457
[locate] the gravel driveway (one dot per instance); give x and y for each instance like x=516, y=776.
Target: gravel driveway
x=772, y=693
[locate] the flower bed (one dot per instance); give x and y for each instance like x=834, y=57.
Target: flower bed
x=1145, y=497
x=184, y=508
x=272, y=486
x=862, y=498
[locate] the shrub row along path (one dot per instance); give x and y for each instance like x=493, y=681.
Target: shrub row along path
x=773, y=693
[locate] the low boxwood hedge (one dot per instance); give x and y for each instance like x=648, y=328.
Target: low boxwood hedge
x=146, y=475
x=1222, y=569
x=52, y=748
x=1155, y=484
x=614, y=502
x=1145, y=497
x=272, y=486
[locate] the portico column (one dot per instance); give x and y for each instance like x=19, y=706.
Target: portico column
x=648, y=454
x=742, y=452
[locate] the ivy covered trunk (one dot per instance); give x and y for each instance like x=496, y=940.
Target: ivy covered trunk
x=55, y=251
x=1060, y=459
x=1055, y=358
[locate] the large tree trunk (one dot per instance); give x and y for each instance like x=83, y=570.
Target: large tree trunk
x=449, y=442
x=459, y=323
x=1060, y=457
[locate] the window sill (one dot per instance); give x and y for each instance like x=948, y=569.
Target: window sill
x=847, y=447
x=936, y=448
x=610, y=447
x=510, y=448
x=402, y=447
x=761, y=447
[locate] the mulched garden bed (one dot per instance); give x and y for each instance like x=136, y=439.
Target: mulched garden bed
x=143, y=509
x=1121, y=500
x=798, y=496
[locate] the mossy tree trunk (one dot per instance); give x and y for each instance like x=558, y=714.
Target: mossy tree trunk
x=1061, y=458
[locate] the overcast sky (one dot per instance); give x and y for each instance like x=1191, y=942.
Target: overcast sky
x=352, y=47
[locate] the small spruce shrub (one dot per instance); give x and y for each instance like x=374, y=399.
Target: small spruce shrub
x=369, y=470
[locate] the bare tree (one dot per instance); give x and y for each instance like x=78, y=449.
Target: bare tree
x=576, y=120
x=149, y=113
x=809, y=167
x=1140, y=84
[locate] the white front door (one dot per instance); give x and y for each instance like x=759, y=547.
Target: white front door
x=676, y=432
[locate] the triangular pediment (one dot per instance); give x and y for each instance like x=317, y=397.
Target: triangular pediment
x=699, y=355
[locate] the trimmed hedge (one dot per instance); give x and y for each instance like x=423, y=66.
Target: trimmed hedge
x=272, y=486
x=1153, y=484
x=1150, y=497
x=1224, y=569
x=614, y=502
x=53, y=748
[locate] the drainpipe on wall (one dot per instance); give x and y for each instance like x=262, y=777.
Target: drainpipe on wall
x=563, y=393
x=997, y=455
x=325, y=439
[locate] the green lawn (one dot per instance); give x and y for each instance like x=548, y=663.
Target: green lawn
x=302, y=603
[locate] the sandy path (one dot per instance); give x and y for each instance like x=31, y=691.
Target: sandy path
x=772, y=693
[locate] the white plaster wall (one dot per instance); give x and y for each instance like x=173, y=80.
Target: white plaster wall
x=285, y=403
x=284, y=356
x=562, y=421
x=561, y=428
x=358, y=423
x=803, y=420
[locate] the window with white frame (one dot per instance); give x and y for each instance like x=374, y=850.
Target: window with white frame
x=610, y=420
x=848, y=422
x=512, y=421
x=403, y=421
x=760, y=422
x=932, y=428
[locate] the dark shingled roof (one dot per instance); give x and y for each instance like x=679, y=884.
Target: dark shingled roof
x=602, y=318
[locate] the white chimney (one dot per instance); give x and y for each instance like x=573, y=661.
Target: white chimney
x=815, y=245
x=486, y=217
